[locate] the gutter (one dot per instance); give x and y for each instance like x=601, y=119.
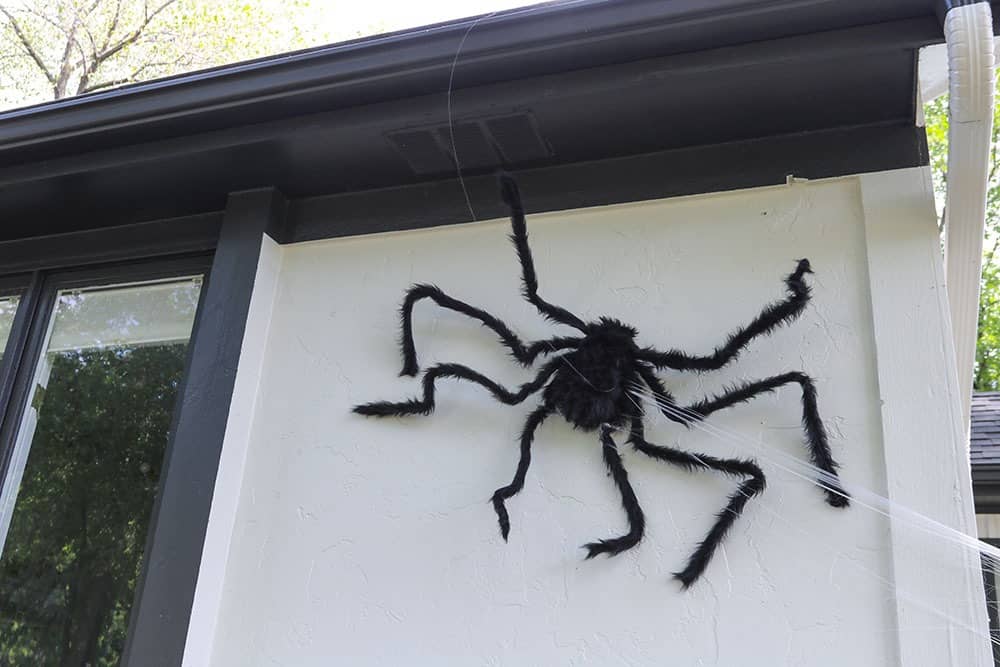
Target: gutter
x=968, y=30
x=551, y=38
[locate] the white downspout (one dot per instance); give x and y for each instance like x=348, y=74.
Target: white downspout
x=968, y=30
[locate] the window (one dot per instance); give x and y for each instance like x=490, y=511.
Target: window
x=990, y=575
x=8, y=307
x=84, y=465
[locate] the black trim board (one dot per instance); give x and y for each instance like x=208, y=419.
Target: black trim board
x=717, y=168
x=160, y=238
x=165, y=593
x=986, y=488
x=29, y=288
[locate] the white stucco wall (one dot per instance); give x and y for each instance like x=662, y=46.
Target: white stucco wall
x=369, y=542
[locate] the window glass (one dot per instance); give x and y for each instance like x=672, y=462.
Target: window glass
x=990, y=576
x=76, y=502
x=8, y=306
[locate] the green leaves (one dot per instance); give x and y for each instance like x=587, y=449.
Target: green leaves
x=59, y=48
x=73, y=554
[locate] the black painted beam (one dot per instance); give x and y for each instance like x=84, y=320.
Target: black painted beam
x=160, y=238
x=716, y=168
x=159, y=619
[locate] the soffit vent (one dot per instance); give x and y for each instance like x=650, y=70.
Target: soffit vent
x=482, y=144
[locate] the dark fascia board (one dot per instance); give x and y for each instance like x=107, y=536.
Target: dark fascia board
x=533, y=41
x=988, y=473
x=870, y=40
x=172, y=236
x=717, y=168
x=986, y=488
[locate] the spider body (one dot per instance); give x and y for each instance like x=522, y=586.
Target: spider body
x=596, y=381
x=591, y=388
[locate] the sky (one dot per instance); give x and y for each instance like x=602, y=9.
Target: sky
x=408, y=14
x=293, y=25
x=343, y=20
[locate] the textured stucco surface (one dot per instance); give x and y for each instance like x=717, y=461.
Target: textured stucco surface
x=373, y=542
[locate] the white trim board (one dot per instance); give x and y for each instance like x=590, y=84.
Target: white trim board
x=926, y=459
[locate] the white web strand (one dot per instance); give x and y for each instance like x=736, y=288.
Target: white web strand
x=870, y=500
x=451, y=81
x=451, y=122
x=860, y=495
x=895, y=513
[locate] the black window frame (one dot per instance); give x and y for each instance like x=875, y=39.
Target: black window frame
x=25, y=287
x=38, y=292
x=222, y=246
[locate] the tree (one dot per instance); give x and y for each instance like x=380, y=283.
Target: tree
x=987, y=369
x=73, y=554
x=51, y=49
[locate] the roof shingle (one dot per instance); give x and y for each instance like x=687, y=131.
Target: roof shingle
x=985, y=437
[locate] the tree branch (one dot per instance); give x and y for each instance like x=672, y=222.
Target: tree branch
x=65, y=65
x=133, y=36
x=111, y=28
x=131, y=78
x=26, y=43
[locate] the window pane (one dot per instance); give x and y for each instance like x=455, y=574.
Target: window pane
x=76, y=502
x=8, y=306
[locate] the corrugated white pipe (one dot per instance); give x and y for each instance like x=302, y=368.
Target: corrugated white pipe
x=968, y=30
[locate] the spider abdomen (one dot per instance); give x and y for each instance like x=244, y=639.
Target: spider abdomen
x=590, y=388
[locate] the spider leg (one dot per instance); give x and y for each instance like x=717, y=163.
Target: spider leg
x=816, y=438
x=525, y=354
x=636, y=519
x=512, y=197
x=505, y=492
x=773, y=316
x=425, y=405
x=753, y=484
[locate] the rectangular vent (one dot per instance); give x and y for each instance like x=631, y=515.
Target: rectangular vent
x=482, y=144
x=421, y=149
x=474, y=148
x=518, y=138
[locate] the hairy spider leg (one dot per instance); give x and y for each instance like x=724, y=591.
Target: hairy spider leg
x=633, y=512
x=816, y=438
x=754, y=483
x=503, y=493
x=773, y=316
x=425, y=405
x=512, y=197
x=525, y=354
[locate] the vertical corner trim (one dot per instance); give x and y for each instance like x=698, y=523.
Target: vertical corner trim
x=165, y=593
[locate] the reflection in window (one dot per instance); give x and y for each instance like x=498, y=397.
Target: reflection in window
x=77, y=498
x=990, y=577
x=8, y=306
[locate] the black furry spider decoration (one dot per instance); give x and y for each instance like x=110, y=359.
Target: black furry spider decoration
x=595, y=387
